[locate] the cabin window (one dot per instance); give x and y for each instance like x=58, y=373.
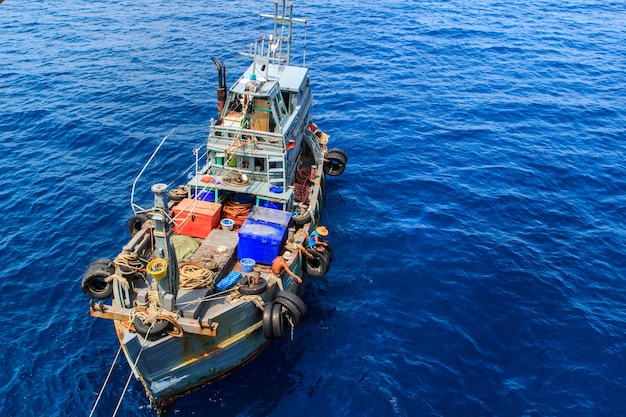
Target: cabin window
x=287, y=100
x=259, y=165
x=220, y=158
x=280, y=106
x=276, y=165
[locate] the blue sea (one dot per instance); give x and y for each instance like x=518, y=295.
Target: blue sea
x=479, y=230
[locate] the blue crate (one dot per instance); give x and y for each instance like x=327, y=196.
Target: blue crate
x=228, y=281
x=270, y=215
x=260, y=241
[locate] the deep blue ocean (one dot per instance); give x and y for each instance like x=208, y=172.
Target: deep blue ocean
x=479, y=230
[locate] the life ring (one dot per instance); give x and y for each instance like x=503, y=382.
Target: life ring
x=94, y=282
x=334, y=164
x=254, y=289
x=294, y=305
x=316, y=266
x=149, y=331
x=135, y=223
x=273, y=321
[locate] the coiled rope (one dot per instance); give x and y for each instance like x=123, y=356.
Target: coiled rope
x=238, y=212
x=194, y=276
x=302, y=186
x=236, y=179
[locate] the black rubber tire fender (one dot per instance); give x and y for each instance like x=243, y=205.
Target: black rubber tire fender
x=341, y=152
x=150, y=332
x=302, y=219
x=318, y=266
x=293, y=298
x=267, y=320
x=135, y=223
x=254, y=289
x=328, y=251
x=278, y=323
x=292, y=310
x=334, y=164
x=102, y=263
x=94, y=285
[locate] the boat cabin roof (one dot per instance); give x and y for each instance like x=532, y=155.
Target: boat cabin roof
x=289, y=78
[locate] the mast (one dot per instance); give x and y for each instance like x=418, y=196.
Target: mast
x=282, y=23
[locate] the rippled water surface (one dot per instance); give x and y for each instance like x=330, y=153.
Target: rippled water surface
x=478, y=230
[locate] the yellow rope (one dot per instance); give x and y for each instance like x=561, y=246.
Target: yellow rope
x=128, y=261
x=194, y=276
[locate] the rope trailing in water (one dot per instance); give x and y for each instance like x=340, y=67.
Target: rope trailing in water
x=131, y=373
x=106, y=381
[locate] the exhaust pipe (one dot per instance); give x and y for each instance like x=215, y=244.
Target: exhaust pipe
x=221, y=85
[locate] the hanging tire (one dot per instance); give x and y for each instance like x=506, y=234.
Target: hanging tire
x=302, y=219
x=254, y=289
x=135, y=223
x=278, y=323
x=341, y=152
x=94, y=282
x=334, y=164
x=273, y=321
x=293, y=304
x=102, y=263
x=149, y=331
x=267, y=320
x=328, y=252
x=318, y=265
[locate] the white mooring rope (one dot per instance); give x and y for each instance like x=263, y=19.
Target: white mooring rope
x=105, y=382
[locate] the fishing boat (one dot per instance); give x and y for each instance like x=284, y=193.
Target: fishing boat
x=215, y=267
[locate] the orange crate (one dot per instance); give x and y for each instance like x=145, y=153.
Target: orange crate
x=196, y=218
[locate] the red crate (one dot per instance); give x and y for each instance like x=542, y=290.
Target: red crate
x=196, y=218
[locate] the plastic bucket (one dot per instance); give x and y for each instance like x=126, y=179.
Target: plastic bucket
x=247, y=264
x=227, y=224
x=157, y=268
